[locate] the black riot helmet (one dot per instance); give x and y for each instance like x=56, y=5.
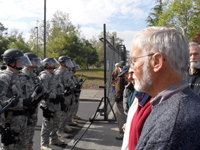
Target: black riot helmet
x=50, y=63
x=15, y=59
x=35, y=60
x=65, y=61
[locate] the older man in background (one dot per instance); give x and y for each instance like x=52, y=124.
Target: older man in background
x=193, y=74
x=159, y=59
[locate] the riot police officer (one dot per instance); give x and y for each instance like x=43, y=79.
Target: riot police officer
x=15, y=117
x=67, y=88
x=77, y=91
x=32, y=85
x=50, y=106
x=71, y=121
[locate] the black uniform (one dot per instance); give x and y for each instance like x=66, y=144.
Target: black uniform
x=194, y=81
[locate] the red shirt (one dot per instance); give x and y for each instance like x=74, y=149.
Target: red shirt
x=142, y=112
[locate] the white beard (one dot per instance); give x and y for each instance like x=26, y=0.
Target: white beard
x=195, y=64
x=145, y=82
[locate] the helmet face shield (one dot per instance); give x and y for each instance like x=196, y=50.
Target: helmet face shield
x=22, y=62
x=37, y=62
x=77, y=67
x=51, y=63
x=74, y=64
x=68, y=63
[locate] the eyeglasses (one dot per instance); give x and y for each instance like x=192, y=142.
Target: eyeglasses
x=131, y=63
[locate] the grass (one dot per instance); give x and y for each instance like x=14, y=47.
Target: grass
x=94, y=78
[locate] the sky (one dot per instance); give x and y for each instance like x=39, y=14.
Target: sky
x=126, y=17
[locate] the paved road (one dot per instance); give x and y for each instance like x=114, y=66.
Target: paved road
x=86, y=110
x=100, y=135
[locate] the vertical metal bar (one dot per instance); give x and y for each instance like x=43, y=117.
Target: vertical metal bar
x=113, y=41
x=44, y=28
x=105, y=63
x=37, y=41
x=124, y=54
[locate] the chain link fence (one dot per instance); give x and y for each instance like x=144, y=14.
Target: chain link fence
x=112, y=56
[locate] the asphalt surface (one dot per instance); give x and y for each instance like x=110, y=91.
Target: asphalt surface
x=86, y=110
x=96, y=135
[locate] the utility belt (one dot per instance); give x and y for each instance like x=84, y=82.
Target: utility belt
x=15, y=112
x=54, y=101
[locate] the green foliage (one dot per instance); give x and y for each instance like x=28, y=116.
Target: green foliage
x=153, y=18
x=98, y=45
x=14, y=39
x=183, y=15
x=91, y=70
x=3, y=39
x=18, y=42
x=97, y=64
x=63, y=38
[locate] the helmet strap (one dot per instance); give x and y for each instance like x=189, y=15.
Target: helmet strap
x=50, y=67
x=64, y=65
x=15, y=67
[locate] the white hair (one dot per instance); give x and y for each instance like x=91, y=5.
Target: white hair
x=194, y=44
x=168, y=41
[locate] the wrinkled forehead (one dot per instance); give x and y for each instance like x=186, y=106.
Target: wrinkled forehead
x=194, y=48
x=136, y=51
x=138, y=43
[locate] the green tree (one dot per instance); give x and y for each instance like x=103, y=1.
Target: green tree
x=57, y=29
x=183, y=15
x=63, y=38
x=90, y=53
x=153, y=17
x=17, y=41
x=3, y=39
x=98, y=45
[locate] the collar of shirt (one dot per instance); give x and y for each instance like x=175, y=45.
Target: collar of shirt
x=169, y=92
x=143, y=98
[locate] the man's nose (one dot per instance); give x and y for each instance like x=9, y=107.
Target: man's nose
x=192, y=56
x=131, y=72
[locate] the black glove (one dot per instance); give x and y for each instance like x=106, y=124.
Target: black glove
x=78, y=86
x=46, y=96
x=30, y=110
x=60, y=98
x=14, y=102
x=47, y=113
x=34, y=104
x=66, y=94
x=27, y=102
x=71, y=91
x=81, y=80
x=67, y=91
x=63, y=107
x=77, y=90
x=39, y=90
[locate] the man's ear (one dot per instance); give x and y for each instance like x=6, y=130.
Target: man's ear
x=157, y=61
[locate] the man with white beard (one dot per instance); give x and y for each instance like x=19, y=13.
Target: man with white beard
x=193, y=75
x=159, y=59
